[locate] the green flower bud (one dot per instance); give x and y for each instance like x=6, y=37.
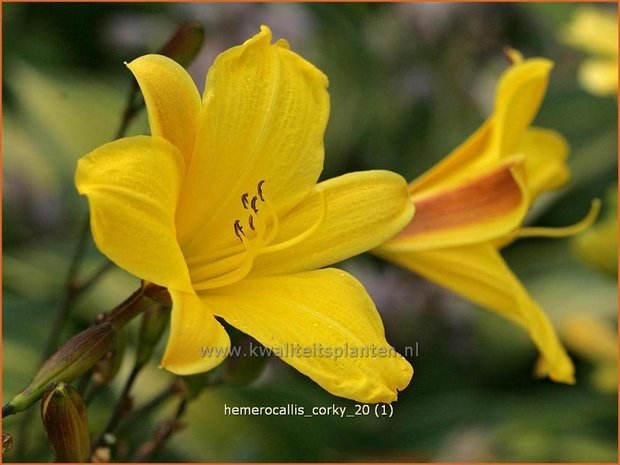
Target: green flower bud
x=64, y=418
x=154, y=322
x=73, y=359
x=185, y=44
x=106, y=369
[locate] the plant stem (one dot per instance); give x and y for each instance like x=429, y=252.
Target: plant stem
x=87, y=283
x=120, y=409
x=118, y=318
x=146, y=409
x=68, y=294
x=135, y=304
x=148, y=451
x=130, y=111
x=71, y=288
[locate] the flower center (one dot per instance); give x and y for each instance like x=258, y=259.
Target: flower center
x=255, y=232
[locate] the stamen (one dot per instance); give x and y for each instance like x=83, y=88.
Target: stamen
x=239, y=230
x=244, y=200
x=304, y=235
x=213, y=270
x=275, y=225
x=259, y=188
x=215, y=255
x=237, y=274
x=566, y=230
x=253, y=204
x=226, y=279
x=235, y=264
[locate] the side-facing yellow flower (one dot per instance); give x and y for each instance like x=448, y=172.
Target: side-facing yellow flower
x=595, y=31
x=474, y=202
x=221, y=206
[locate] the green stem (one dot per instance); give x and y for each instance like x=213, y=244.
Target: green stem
x=90, y=392
x=119, y=410
x=80, y=353
x=62, y=311
x=131, y=110
x=68, y=295
x=135, y=304
x=139, y=414
x=89, y=282
x=150, y=449
x=71, y=289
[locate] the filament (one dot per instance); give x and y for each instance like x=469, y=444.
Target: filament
x=304, y=235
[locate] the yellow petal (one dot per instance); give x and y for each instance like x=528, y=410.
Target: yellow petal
x=265, y=112
x=479, y=273
x=132, y=187
x=326, y=308
x=519, y=94
x=595, y=340
x=545, y=153
x=363, y=210
x=172, y=100
x=599, y=77
x=488, y=207
x=461, y=165
x=197, y=341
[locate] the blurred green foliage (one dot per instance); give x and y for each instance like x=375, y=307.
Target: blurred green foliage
x=408, y=82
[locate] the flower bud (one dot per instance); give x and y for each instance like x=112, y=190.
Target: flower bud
x=73, y=359
x=106, y=369
x=154, y=321
x=64, y=418
x=185, y=44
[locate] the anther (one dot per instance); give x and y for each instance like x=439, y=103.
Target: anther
x=251, y=222
x=239, y=230
x=260, y=189
x=244, y=200
x=253, y=204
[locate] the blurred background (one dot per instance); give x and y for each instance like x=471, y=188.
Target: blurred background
x=408, y=83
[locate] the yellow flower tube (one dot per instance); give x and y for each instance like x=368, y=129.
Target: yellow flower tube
x=221, y=206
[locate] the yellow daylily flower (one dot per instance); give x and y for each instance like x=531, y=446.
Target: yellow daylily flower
x=221, y=206
x=474, y=202
x=595, y=31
